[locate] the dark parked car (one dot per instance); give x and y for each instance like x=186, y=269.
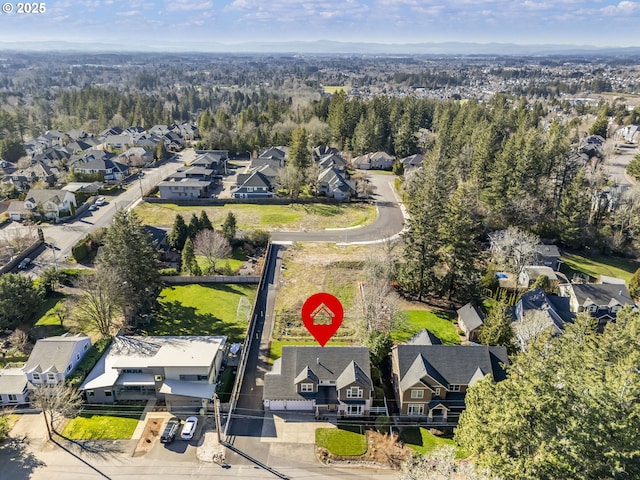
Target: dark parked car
x=170, y=430
x=25, y=263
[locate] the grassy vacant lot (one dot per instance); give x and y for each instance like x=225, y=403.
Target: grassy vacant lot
x=203, y=310
x=439, y=323
x=265, y=217
x=237, y=259
x=596, y=265
x=275, y=351
x=341, y=442
x=423, y=442
x=313, y=268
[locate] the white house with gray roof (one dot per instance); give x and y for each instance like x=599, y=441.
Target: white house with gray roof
x=182, y=371
x=52, y=203
x=14, y=387
x=54, y=358
x=320, y=380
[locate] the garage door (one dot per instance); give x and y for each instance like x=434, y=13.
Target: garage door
x=299, y=405
x=274, y=404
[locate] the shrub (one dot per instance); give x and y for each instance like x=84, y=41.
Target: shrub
x=168, y=272
x=382, y=424
x=88, y=362
x=257, y=238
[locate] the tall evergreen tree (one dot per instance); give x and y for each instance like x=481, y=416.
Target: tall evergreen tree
x=299, y=154
x=194, y=226
x=229, y=227
x=204, y=222
x=129, y=252
x=496, y=329
x=573, y=214
x=567, y=409
x=189, y=262
x=179, y=233
x=459, y=232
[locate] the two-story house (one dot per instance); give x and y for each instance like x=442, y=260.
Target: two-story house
x=177, y=188
x=51, y=203
x=181, y=371
x=431, y=381
x=601, y=300
x=320, y=379
x=333, y=183
x=53, y=359
x=252, y=185
x=108, y=169
x=14, y=387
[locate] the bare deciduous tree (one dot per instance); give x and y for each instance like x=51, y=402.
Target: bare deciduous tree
x=57, y=401
x=513, y=248
x=534, y=325
x=19, y=339
x=98, y=305
x=213, y=246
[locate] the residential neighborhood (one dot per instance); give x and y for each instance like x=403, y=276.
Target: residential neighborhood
x=156, y=260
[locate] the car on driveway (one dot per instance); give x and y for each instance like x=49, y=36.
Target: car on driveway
x=189, y=428
x=24, y=263
x=100, y=201
x=170, y=430
x=93, y=208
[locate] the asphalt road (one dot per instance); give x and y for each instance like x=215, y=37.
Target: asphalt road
x=615, y=164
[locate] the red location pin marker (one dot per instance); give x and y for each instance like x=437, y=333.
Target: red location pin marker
x=322, y=314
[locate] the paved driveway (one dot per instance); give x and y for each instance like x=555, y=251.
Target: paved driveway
x=284, y=427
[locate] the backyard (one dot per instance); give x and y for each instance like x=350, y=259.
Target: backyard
x=315, y=216
x=438, y=323
x=211, y=309
x=596, y=265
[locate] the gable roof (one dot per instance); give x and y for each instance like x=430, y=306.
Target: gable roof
x=278, y=153
x=12, y=381
x=601, y=294
x=36, y=195
x=471, y=316
x=448, y=364
x=336, y=364
x=414, y=160
x=254, y=179
x=547, y=250
x=424, y=337
x=53, y=354
x=103, y=164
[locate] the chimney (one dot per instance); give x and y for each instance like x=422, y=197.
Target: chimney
x=318, y=360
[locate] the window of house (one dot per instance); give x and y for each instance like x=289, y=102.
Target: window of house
x=203, y=377
x=306, y=387
x=13, y=398
x=90, y=393
x=415, y=409
x=36, y=376
x=85, y=346
x=131, y=370
x=51, y=377
x=354, y=392
x=69, y=368
x=77, y=356
x=454, y=388
x=417, y=393
x=107, y=393
x=437, y=392
x=593, y=308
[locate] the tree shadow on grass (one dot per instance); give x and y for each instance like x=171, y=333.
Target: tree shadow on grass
x=15, y=461
x=174, y=318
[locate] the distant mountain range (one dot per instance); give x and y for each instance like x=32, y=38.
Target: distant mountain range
x=332, y=47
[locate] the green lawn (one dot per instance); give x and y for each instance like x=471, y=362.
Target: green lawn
x=100, y=427
x=265, y=217
x=341, y=442
x=439, y=323
x=596, y=265
x=275, y=351
x=331, y=89
x=423, y=442
x=48, y=317
x=237, y=259
x=203, y=310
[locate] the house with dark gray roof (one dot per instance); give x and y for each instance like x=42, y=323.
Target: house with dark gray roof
x=320, y=380
x=431, y=381
x=470, y=320
x=333, y=183
x=252, y=185
x=54, y=358
x=547, y=255
x=601, y=300
x=412, y=162
x=551, y=313
x=424, y=337
x=109, y=169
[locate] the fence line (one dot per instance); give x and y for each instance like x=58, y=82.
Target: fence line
x=184, y=280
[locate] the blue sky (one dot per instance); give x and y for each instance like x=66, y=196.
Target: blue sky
x=182, y=23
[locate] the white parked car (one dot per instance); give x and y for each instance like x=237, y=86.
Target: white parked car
x=189, y=428
x=100, y=201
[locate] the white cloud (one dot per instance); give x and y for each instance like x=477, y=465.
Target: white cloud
x=129, y=13
x=623, y=8
x=188, y=5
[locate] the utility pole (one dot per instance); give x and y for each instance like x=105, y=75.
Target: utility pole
x=216, y=407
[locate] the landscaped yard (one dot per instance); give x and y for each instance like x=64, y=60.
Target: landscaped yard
x=341, y=442
x=315, y=216
x=237, y=259
x=439, y=323
x=210, y=309
x=100, y=427
x=596, y=265
x=423, y=442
